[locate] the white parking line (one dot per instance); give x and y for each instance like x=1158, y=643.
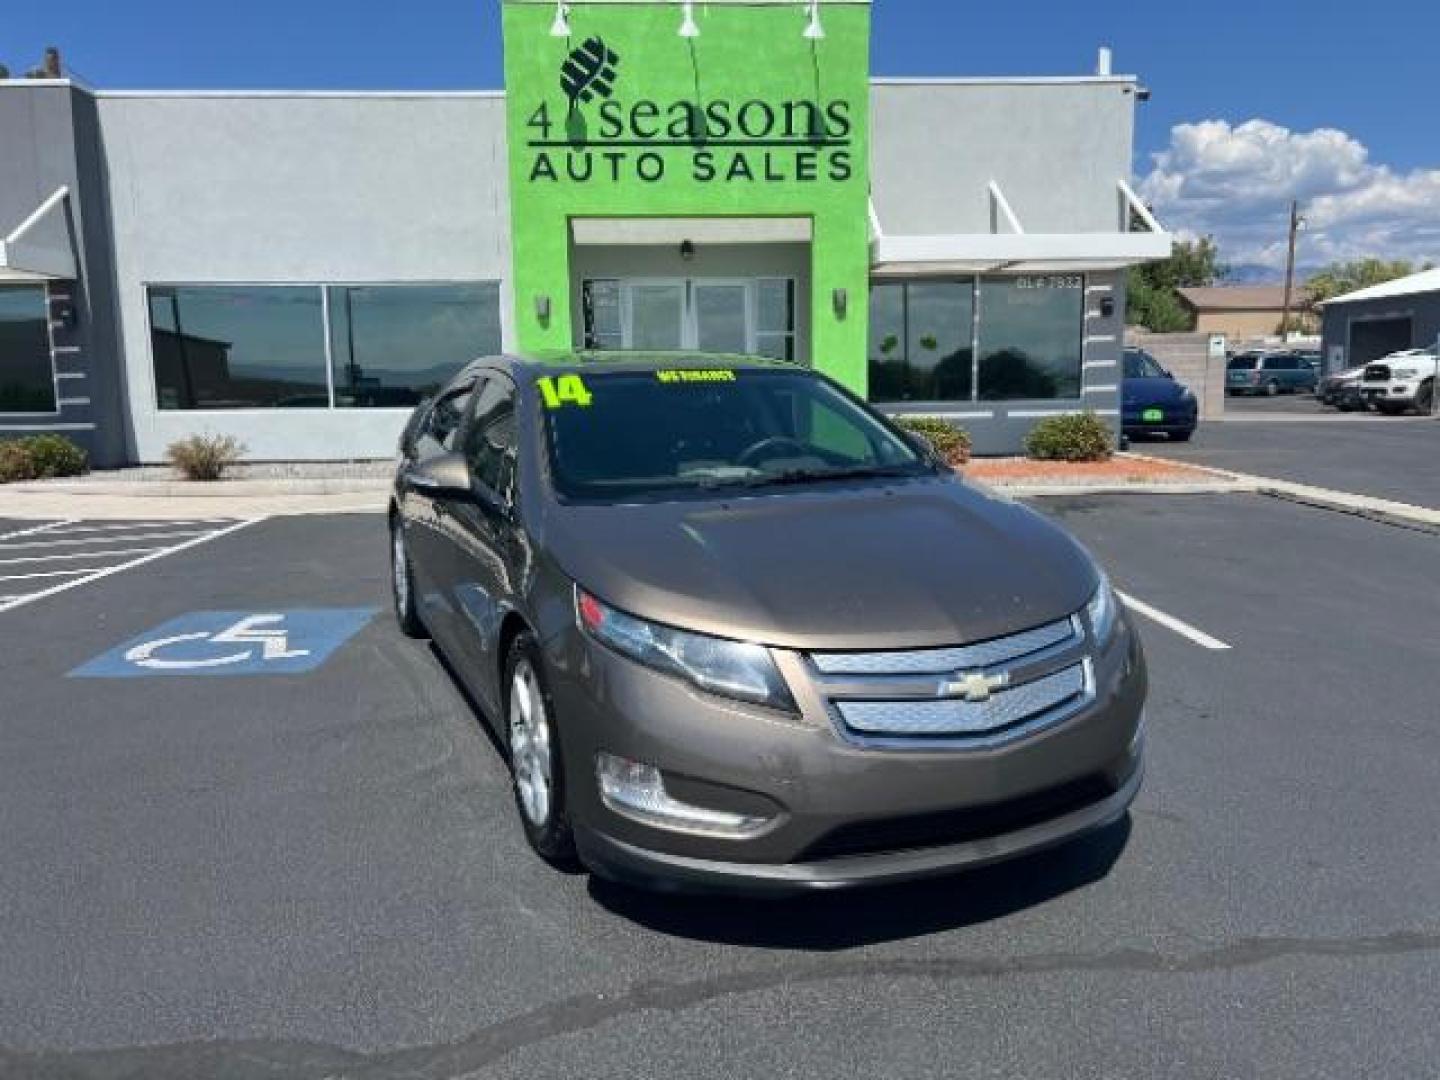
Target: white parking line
x=49, y=573
x=48, y=542
x=150, y=555
x=37, y=529
x=71, y=528
x=1170, y=622
x=79, y=555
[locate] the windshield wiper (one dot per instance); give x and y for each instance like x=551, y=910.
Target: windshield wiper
x=806, y=476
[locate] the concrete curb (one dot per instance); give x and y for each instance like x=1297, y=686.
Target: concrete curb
x=1217, y=487
x=1328, y=498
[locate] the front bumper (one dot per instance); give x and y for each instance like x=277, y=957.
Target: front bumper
x=620, y=861
x=840, y=814
x=1390, y=393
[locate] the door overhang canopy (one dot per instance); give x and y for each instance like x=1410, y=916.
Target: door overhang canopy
x=25, y=259
x=653, y=231
x=1009, y=248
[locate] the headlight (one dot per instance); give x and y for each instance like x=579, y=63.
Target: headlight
x=729, y=668
x=1102, y=611
x=1405, y=373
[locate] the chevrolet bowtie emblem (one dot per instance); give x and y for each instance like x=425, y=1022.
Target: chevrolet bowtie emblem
x=975, y=687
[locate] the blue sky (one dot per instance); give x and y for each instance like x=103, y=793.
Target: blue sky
x=1343, y=94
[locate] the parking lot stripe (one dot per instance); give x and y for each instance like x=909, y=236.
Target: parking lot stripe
x=49, y=573
x=149, y=556
x=72, y=529
x=1170, y=622
x=81, y=555
x=38, y=528
x=48, y=542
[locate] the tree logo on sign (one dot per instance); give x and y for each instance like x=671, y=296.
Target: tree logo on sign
x=589, y=72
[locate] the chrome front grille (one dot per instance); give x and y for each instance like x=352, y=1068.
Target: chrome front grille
x=946, y=661
x=973, y=696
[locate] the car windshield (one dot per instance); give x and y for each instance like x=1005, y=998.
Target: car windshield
x=1141, y=365
x=627, y=434
x=1242, y=363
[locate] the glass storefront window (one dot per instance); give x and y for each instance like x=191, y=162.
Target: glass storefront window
x=1028, y=333
x=920, y=341
x=392, y=345
x=27, y=380
x=1031, y=331
x=238, y=347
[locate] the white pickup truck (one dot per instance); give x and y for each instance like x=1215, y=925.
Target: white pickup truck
x=1403, y=380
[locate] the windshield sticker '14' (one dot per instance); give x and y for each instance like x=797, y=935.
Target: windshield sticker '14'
x=565, y=390
x=701, y=375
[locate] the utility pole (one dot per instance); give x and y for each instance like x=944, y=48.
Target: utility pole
x=1290, y=271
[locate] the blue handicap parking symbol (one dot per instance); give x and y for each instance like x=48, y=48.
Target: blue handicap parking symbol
x=232, y=643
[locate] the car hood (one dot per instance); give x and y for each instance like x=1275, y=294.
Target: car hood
x=906, y=564
x=1139, y=393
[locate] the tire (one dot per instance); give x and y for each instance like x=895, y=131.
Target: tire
x=1389, y=408
x=1272, y=388
x=1182, y=436
x=402, y=583
x=537, y=770
x=1425, y=398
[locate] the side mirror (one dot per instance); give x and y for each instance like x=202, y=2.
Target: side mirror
x=446, y=477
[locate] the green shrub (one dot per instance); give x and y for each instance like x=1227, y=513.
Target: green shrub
x=40, y=457
x=1072, y=437
x=204, y=457
x=950, y=442
x=55, y=455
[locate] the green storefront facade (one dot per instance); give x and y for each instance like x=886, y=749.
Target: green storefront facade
x=750, y=126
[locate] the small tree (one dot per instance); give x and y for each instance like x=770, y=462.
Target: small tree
x=1154, y=289
x=1345, y=277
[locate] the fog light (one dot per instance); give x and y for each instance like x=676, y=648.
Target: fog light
x=637, y=791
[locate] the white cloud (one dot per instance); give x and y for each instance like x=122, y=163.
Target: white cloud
x=1236, y=183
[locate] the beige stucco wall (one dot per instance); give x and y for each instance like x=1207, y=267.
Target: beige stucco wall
x=1245, y=324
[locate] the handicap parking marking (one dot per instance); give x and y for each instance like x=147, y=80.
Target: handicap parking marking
x=209, y=643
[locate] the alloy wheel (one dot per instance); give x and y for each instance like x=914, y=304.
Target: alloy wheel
x=530, y=744
x=400, y=573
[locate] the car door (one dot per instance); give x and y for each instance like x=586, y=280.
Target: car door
x=424, y=514
x=485, y=560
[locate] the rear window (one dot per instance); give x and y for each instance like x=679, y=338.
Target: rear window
x=619, y=435
x=1242, y=363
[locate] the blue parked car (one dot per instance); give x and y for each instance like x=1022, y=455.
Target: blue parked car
x=1153, y=402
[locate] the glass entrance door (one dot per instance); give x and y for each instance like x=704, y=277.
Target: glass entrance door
x=713, y=315
x=656, y=315
x=721, y=316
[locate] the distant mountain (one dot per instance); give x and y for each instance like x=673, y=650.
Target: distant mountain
x=1256, y=274
x=1253, y=274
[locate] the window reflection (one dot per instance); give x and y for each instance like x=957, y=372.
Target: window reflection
x=27, y=381
x=238, y=347
x=393, y=345
x=1030, y=337
x=920, y=341
x=1029, y=330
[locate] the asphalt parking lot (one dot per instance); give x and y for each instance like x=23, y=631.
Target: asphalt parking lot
x=1389, y=457
x=319, y=873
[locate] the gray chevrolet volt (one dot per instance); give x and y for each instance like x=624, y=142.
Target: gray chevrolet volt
x=736, y=631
